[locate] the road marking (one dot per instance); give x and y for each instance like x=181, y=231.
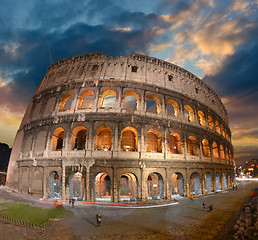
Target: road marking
x=151, y=206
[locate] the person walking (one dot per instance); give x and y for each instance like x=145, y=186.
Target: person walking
x=210, y=208
x=204, y=205
x=98, y=216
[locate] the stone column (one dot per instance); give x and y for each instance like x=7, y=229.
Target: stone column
x=63, y=183
x=115, y=196
x=187, y=183
x=45, y=178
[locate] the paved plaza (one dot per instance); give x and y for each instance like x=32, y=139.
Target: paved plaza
x=182, y=219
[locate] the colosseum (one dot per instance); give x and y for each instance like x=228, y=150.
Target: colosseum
x=118, y=129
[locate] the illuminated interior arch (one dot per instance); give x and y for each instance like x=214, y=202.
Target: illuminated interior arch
x=175, y=143
x=210, y=122
x=188, y=113
x=103, y=139
x=66, y=102
x=226, y=154
x=129, y=139
x=57, y=139
x=154, y=141
x=102, y=187
x=177, y=182
x=206, y=148
x=222, y=130
x=172, y=108
x=192, y=145
x=201, y=118
x=78, y=138
x=215, y=150
x=108, y=99
x=222, y=153
x=217, y=126
x=155, y=186
x=128, y=187
x=86, y=100
x=131, y=101
x=153, y=104
x=195, y=184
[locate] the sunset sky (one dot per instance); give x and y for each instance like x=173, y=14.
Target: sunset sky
x=215, y=40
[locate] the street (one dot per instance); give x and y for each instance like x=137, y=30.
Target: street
x=184, y=220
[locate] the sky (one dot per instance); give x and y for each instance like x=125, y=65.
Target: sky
x=215, y=40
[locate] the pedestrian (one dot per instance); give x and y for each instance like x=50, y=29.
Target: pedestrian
x=210, y=208
x=204, y=205
x=72, y=202
x=98, y=216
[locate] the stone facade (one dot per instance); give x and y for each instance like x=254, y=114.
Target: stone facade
x=130, y=128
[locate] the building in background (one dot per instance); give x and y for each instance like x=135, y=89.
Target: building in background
x=129, y=128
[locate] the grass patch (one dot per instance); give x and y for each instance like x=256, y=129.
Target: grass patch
x=30, y=214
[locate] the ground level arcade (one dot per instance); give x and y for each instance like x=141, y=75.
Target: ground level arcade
x=103, y=183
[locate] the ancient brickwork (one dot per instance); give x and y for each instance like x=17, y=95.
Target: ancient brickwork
x=130, y=128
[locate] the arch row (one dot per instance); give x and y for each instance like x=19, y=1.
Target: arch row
x=125, y=184
x=152, y=140
x=133, y=100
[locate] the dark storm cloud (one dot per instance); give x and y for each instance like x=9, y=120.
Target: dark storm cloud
x=55, y=32
x=238, y=73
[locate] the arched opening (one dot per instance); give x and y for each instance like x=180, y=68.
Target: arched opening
x=224, y=177
x=215, y=150
x=78, y=138
x=222, y=153
x=217, y=180
x=102, y=188
x=54, y=190
x=103, y=139
x=131, y=101
x=76, y=187
x=208, y=183
x=222, y=130
x=206, y=148
x=155, y=186
x=153, y=104
x=175, y=143
x=195, y=184
x=129, y=139
x=86, y=100
x=128, y=187
x=188, y=113
x=229, y=181
x=37, y=183
x=217, y=126
x=177, y=183
x=154, y=141
x=57, y=139
x=201, y=118
x=66, y=102
x=172, y=108
x=210, y=122
x=108, y=99
x=192, y=145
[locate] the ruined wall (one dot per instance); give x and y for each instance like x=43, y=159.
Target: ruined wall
x=177, y=123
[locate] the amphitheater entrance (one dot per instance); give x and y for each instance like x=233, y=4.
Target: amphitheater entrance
x=54, y=186
x=208, y=182
x=155, y=186
x=229, y=182
x=217, y=180
x=224, y=177
x=76, y=189
x=177, y=182
x=102, y=188
x=195, y=184
x=128, y=187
